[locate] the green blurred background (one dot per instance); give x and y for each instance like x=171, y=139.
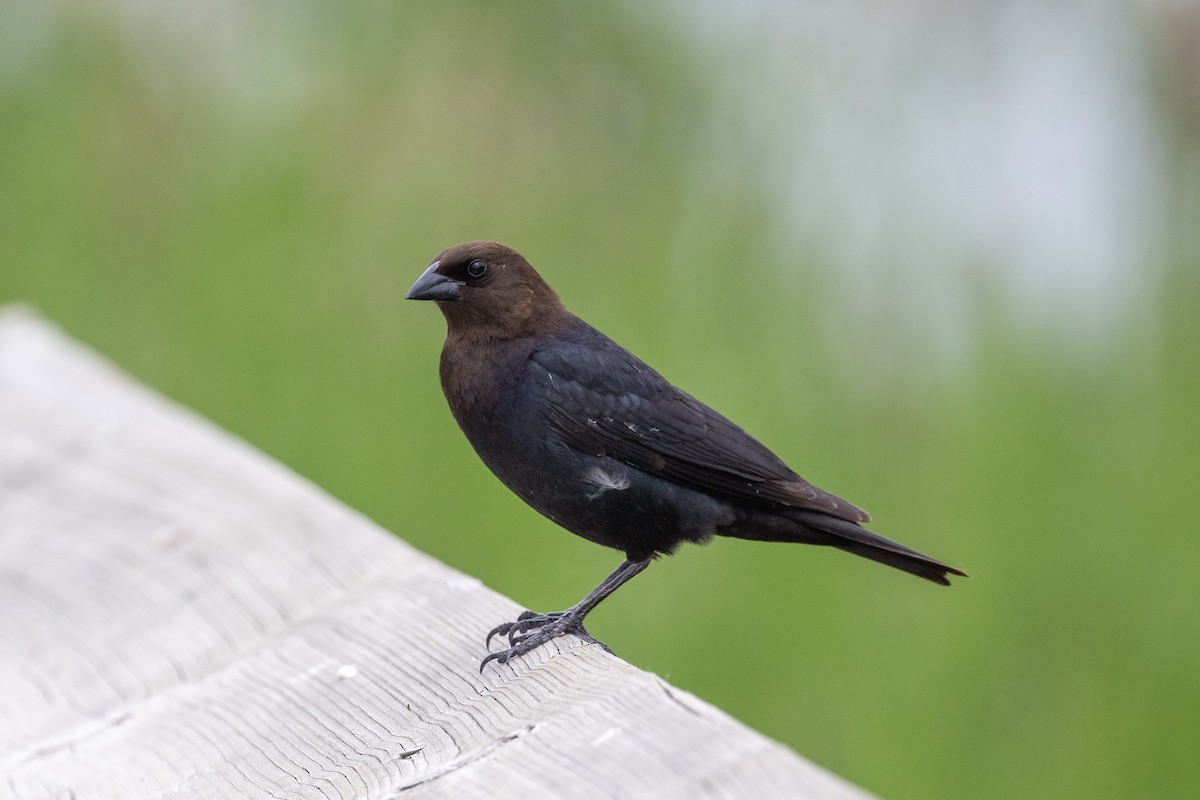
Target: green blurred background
x=942, y=258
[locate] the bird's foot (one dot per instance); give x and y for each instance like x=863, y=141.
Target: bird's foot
x=531, y=630
x=516, y=631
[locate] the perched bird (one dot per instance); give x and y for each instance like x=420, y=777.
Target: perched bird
x=591, y=437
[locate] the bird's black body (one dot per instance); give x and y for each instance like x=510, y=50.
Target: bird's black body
x=603, y=445
x=576, y=394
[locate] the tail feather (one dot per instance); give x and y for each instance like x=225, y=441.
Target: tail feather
x=854, y=539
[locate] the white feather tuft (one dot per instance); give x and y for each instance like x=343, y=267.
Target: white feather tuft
x=603, y=481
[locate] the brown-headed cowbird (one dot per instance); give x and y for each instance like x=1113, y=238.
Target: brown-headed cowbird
x=591, y=437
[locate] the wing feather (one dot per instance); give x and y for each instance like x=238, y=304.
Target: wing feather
x=603, y=400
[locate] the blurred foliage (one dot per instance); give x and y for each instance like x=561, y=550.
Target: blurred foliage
x=232, y=206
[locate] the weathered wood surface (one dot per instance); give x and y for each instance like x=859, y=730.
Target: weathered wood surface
x=180, y=617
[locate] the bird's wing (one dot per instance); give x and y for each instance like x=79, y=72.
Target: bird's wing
x=604, y=401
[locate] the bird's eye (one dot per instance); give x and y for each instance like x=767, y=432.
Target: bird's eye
x=476, y=268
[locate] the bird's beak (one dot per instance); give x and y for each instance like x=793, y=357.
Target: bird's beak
x=432, y=285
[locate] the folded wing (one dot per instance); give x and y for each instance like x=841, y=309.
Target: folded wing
x=604, y=401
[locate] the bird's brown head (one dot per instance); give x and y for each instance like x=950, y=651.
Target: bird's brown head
x=488, y=290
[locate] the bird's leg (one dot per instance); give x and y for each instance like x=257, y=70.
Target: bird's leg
x=532, y=621
x=532, y=630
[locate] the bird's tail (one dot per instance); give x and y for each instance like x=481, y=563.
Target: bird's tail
x=813, y=527
x=853, y=538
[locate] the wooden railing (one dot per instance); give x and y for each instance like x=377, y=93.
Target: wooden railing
x=181, y=617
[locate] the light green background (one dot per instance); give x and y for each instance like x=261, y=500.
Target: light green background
x=234, y=216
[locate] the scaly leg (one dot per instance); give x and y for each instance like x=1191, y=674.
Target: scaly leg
x=532, y=630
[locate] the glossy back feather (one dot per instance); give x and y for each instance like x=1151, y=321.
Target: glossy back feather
x=605, y=401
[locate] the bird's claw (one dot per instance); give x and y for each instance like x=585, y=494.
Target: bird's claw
x=527, y=621
x=530, y=631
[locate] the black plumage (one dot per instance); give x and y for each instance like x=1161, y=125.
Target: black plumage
x=600, y=443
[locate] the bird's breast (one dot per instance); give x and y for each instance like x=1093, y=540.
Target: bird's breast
x=478, y=380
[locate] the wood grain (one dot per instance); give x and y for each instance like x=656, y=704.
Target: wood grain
x=181, y=617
